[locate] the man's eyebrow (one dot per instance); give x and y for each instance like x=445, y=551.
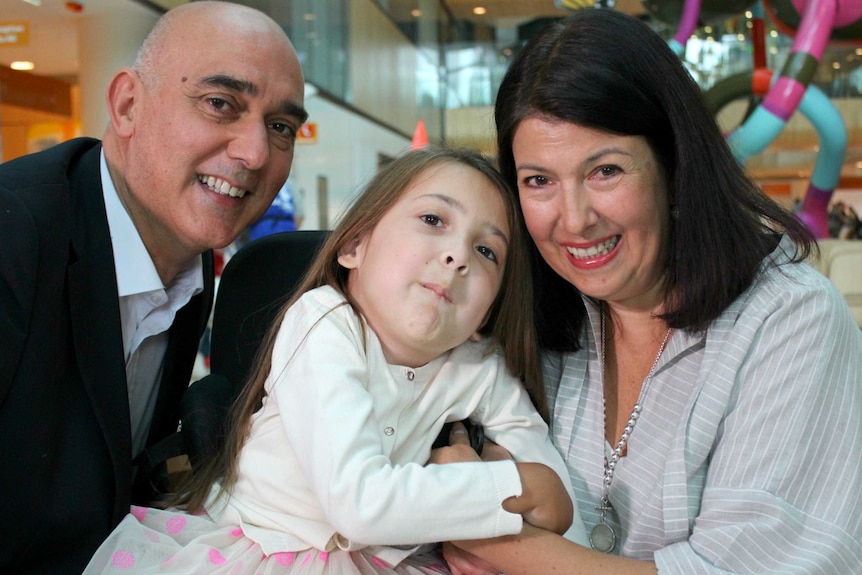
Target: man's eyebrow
x=296, y=111
x=231, y=83
x=246, y=87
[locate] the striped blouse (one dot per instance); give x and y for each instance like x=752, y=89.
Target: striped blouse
x=747, y=457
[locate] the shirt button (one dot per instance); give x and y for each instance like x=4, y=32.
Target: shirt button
x=410, y=375
x=389, y=430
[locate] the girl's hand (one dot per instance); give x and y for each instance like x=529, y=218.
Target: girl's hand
x=464, y=563
x=543, y=501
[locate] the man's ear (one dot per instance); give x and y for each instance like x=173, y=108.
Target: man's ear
x=123, y=94
x=351, y=254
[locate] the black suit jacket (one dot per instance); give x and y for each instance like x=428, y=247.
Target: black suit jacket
x=66, y=472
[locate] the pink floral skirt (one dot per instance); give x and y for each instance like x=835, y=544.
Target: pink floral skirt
x=158, y=541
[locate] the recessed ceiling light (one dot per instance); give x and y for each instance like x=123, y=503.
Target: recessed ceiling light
x=22, y=65
x=416, y=12
x=479, y=10
x=34, y=2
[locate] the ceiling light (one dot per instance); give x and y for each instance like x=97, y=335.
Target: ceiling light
x=22, y=65
x=416, y=12
x=479, y=10
x=34, y=2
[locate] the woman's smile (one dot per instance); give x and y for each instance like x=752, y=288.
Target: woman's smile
x=594, y=255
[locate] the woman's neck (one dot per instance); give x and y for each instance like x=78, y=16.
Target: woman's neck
x=632, y=343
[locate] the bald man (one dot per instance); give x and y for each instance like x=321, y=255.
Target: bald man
x=106, y=270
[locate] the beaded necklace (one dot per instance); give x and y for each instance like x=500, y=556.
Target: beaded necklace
x=603, y=537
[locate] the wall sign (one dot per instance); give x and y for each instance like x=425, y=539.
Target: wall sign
x=14, y=33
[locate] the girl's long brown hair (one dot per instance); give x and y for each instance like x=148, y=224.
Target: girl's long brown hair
x=510, y=325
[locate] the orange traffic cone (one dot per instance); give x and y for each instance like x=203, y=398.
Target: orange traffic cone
x=420, y=137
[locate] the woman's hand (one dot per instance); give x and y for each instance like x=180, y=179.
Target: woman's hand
x=458, y=450
x=462, y=562
x=493, y=452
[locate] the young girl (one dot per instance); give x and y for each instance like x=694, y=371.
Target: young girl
x=401, y=325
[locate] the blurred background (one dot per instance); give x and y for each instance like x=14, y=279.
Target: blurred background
x=380, y=72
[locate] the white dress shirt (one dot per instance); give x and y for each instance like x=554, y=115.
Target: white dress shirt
x=147, y=309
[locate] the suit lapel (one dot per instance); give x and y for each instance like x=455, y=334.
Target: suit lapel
x=97, y=330
x=95, y=313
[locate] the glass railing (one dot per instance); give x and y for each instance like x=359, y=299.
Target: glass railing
x=473, y=71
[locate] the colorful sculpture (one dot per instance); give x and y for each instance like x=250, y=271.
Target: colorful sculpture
x=813, y=23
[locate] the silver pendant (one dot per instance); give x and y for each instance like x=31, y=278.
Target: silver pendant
x=603, y=538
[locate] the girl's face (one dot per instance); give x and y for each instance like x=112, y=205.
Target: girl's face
x=426, y=276
x=597, y=206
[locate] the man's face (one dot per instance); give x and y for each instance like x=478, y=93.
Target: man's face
x=213, y=135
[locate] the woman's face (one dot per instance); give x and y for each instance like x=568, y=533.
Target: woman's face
x=597, y=206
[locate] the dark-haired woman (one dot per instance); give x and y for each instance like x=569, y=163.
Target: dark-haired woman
x=705, y=382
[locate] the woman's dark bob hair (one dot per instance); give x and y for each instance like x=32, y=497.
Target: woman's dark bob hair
x=608, y=71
